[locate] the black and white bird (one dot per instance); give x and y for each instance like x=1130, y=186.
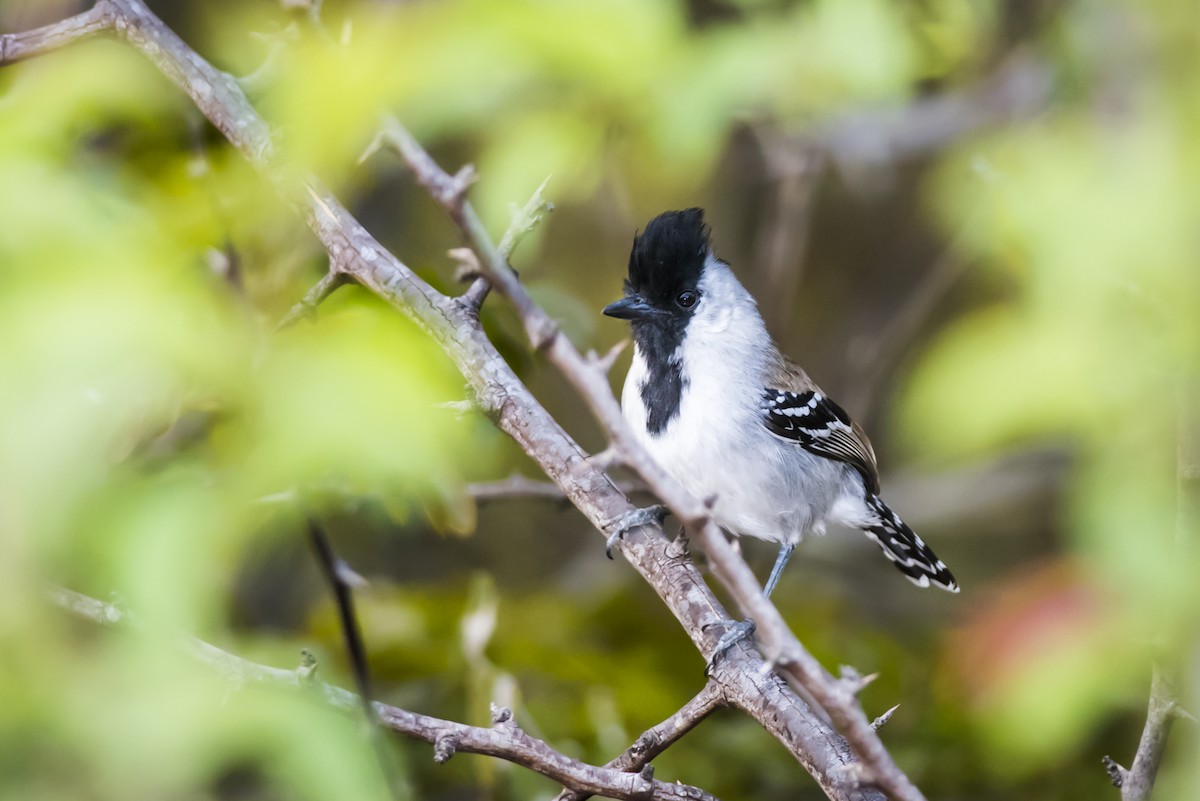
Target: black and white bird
x=716, y=403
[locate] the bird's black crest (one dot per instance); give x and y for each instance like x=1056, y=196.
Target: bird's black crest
x=669, y=255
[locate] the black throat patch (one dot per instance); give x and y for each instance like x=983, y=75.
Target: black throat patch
x=662, y=388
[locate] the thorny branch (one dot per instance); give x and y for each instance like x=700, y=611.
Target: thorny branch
x=504, y=739
x=847, y=768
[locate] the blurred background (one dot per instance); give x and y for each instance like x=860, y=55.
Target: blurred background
x=974, y=222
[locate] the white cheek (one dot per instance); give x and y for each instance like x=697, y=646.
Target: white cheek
x=711, y=320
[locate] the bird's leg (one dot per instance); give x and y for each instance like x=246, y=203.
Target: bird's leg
x=739, y=630
x=785, y=553
x=630, y=520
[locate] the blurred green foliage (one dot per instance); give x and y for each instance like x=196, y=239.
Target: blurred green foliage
x=160, y=441
x=1089, y=216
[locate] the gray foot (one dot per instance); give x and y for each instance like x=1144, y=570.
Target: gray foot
x=631, y=520
x=737, y=630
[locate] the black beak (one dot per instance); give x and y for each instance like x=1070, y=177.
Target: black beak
x=630, y=307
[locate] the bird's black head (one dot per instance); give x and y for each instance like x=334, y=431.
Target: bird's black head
x=662, y=293
x=664, y=270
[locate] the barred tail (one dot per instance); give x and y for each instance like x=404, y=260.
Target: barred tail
x=905, y=549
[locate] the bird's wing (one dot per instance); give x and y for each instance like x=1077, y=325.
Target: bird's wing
x=822, y=427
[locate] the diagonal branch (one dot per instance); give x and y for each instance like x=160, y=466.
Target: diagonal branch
x=341, y=579
x=504, y=739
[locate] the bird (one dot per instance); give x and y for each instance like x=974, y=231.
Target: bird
x=715, y=402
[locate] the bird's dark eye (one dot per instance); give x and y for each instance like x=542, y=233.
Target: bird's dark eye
x=687, y=299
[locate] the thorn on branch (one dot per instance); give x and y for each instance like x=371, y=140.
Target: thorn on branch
x=502, y=716
x=454, y=191
x=852, y=682
x=604, y=364
x=349, y=576
x=468, y=264
x=460, y=407
x=262, y=77
x=880, y=721
x=605, y=460
x=374, y=146
x=771, y=664
x=320, y=203
x=1115, y=771
x=679, y=547
x=1178, y=711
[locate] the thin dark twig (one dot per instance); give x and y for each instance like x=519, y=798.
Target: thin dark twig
x=338, y=575
x=340, y=578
